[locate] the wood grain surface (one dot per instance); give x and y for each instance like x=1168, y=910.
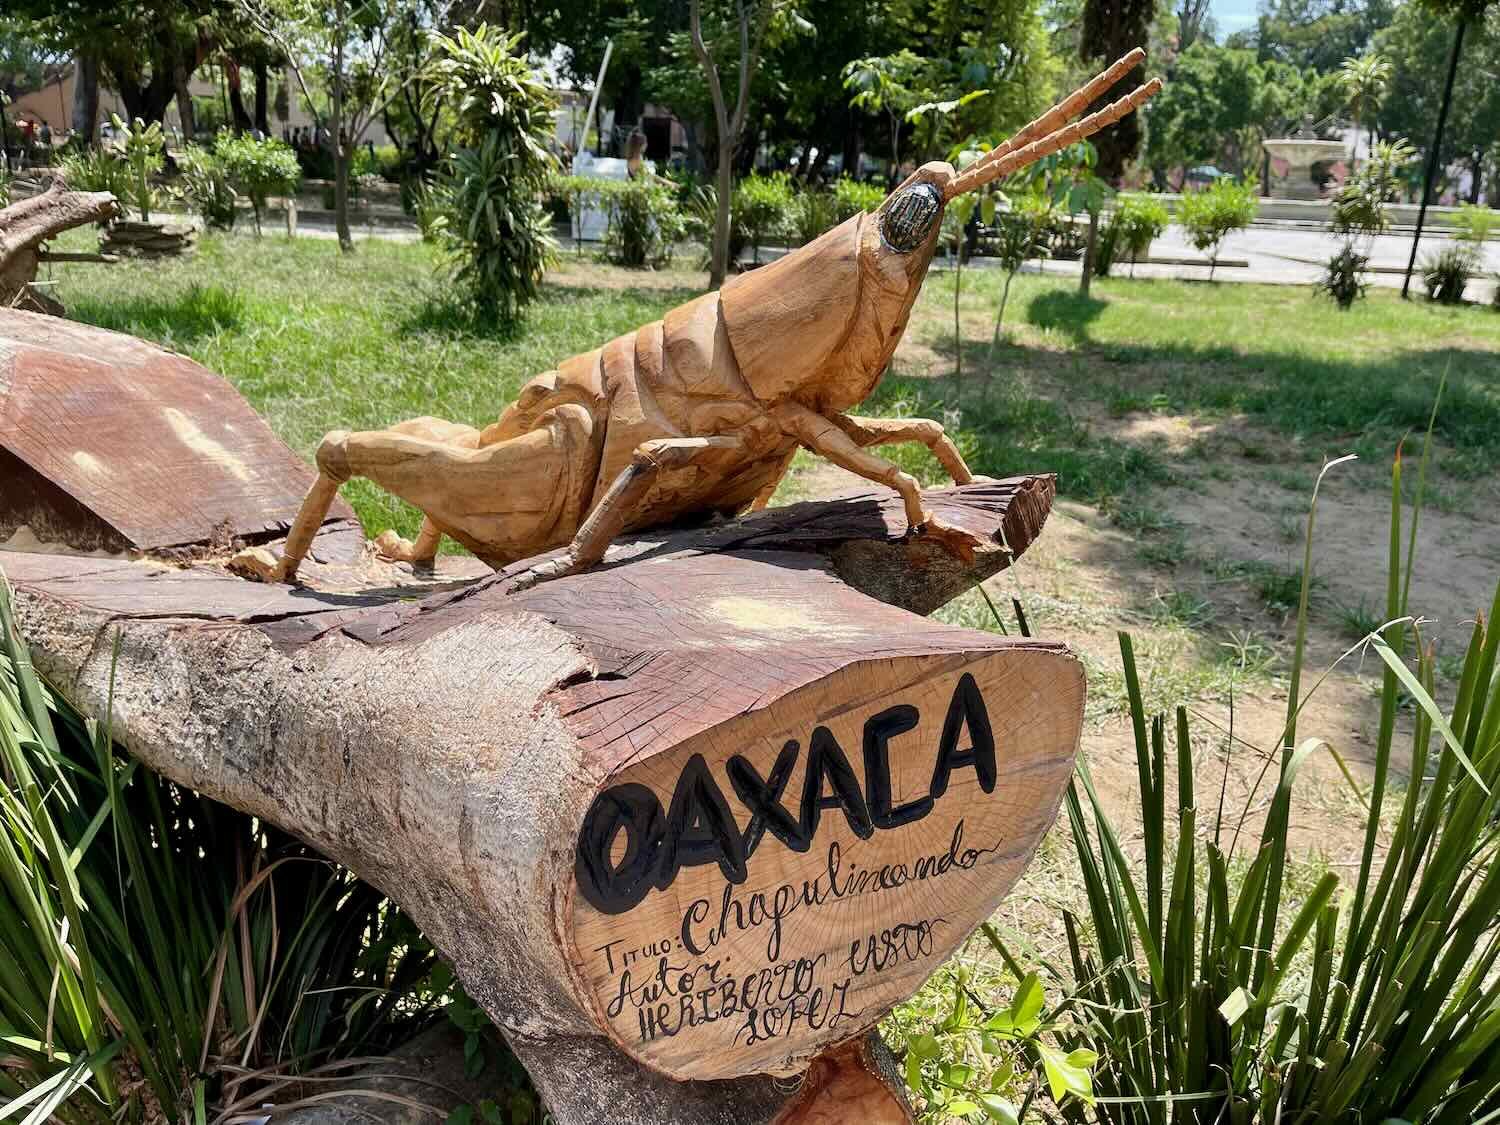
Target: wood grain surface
x=110, y=443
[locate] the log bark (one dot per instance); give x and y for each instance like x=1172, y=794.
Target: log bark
x=25, y=225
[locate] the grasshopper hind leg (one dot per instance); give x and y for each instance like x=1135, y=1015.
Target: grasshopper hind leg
x=504, y=500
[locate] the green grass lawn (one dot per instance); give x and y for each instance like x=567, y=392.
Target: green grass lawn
x=318, y=341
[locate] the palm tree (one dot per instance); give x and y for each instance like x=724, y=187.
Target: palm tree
x=1363, y=80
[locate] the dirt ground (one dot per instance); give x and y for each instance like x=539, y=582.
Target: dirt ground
x=1202, y=574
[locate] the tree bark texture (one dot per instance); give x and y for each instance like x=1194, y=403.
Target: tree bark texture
x=25, y=225
x=86, y=99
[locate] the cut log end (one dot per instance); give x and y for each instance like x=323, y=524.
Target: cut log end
x=748, y=897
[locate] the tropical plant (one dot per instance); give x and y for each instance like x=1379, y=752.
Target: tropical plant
x=1363, y=79
x=205, y=186
x=762, y=208
x=1135, y=223
x=141, y=150
x=258, y=167
x=1343, y=279
x=1359, y=214
x=496, y=232
x=1211, y=214
x=1446, y=272
x=166, y=958
x=1253, y=1003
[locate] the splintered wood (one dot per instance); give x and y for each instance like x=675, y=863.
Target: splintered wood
x=774, y=885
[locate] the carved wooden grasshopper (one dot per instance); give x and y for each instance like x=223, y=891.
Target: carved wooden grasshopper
x=701, y=411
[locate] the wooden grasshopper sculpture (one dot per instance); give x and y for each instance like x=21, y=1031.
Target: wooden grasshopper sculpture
x=701, y=411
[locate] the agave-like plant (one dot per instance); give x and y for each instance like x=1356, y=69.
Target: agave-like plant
x=163, y=957
x=1398, y=1019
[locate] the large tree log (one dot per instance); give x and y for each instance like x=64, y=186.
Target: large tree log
x=25, y=225
x=459, y=752
x=685, y=824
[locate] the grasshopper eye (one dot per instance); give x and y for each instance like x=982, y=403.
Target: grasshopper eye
x=906, y=221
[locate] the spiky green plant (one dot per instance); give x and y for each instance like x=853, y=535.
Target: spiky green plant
x=161, y=955
x=1397, y=1016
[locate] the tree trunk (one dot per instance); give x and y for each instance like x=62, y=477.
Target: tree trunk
x=719, y=260
x=237, y=111
x=25, y=225
x=340, y=147
x=86, y=99
x=1090, y=248
x=262, y=99
x=185, y=113
x=1434, y=154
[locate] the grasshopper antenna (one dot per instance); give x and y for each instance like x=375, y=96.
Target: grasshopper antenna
x=1021, y=150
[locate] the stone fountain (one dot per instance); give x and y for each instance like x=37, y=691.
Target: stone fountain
x=1303, y=151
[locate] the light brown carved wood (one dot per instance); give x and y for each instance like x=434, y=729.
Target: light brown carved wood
x=28, y=223
x=701, y=412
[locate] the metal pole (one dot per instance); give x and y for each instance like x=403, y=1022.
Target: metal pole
x=609, y=47
x=1432, y=156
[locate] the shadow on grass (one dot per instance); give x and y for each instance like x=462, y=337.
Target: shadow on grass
x=1066, y=311
x=453, y=316
x=1366, y=404
x=199, y=311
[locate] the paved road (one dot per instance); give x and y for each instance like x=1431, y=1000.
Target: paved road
x=1277, y=253
x=1295, y=255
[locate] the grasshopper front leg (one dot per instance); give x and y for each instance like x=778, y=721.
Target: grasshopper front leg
x=613, y=514
x=888, y=431
x=841, y=440
x=829, y=440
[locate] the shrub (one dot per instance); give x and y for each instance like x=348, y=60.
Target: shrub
x=1210, y=215
x=206, y=188
x=813, y=212
x=258, y=167
x=141, y=152
x=1344, y=278
x=762, y=208
x=1248, y=1005
x=645, y=223
x=1446, y=272
x=1134, y=224
x=96, y=170
x=851, y=196
x=1474, y=224
x=495, y=230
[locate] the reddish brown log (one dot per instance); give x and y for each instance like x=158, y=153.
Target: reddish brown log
x=25, y=225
